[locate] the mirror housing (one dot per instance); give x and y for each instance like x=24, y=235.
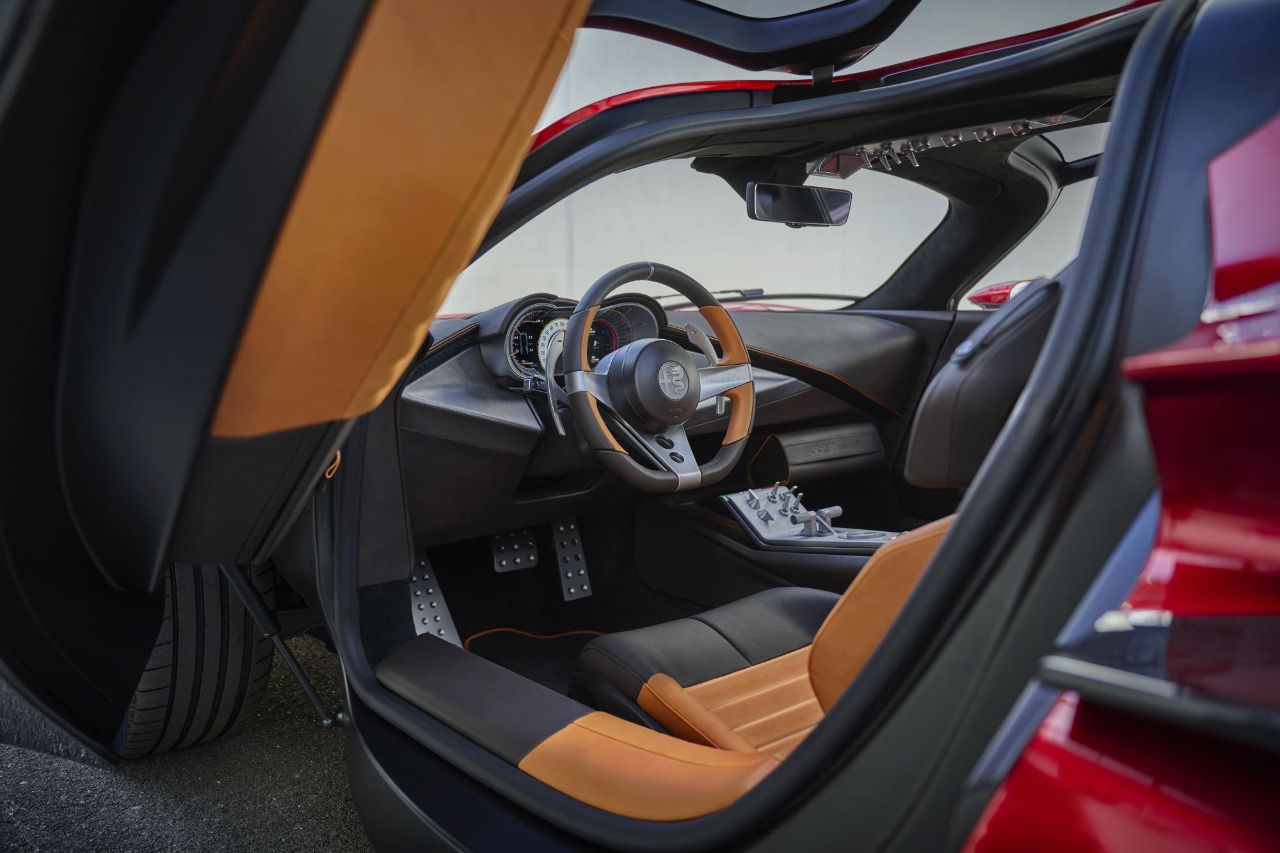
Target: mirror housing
x=796, y=205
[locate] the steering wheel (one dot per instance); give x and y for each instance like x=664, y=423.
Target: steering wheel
x=653, y=386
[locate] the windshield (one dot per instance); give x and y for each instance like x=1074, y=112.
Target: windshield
x=667, y=212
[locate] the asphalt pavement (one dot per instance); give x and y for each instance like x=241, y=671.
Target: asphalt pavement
x=278, y=784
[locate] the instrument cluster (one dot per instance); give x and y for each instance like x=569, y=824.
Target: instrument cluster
x=533, y=330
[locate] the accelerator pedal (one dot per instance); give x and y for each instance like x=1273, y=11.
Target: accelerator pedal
x=571, y=560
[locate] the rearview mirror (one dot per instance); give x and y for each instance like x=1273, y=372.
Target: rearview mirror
x=797, y=205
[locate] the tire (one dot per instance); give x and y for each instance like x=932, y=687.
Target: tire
x=208, y=669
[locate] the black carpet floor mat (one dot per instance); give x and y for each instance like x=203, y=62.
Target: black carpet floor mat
x=545, y=658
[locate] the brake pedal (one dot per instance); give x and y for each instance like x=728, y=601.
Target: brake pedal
x=571, y=560
x=430, y=612
x=513, y=551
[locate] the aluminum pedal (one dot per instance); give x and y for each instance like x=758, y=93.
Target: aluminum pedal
x=430, y=612
x=513, y=551
x=571, y=560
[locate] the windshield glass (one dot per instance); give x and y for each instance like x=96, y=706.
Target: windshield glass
x=667, y=212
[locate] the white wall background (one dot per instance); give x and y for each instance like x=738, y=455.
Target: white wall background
x=694, y=222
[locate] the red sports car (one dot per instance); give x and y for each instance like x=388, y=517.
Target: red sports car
x=639, y=571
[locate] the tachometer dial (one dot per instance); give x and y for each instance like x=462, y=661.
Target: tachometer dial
x=559, y=324
x=602, y=341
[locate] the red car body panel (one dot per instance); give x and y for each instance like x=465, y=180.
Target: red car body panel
x=994, y=295
x=1218, y=389
x=1097, y=778
x=581, y=114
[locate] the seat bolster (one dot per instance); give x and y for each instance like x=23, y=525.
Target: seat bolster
x=965, y=407
x=685, y=717
x=767, y=707
x=866, y=611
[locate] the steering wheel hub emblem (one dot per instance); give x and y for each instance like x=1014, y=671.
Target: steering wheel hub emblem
x=673, y=380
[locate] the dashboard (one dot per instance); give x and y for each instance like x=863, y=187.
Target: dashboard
x=530, y=333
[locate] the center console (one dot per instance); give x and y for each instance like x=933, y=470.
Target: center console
x=777, y=518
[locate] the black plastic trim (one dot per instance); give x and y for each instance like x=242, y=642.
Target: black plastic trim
x=1147, y=696
x=145, y=359
x=832, y=35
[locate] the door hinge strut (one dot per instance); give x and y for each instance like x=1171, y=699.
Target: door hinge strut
x=266, y=622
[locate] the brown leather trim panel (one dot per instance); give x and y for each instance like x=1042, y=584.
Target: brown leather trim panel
x=726, y=333
x=636, y=772
x=769, y=707
x=592, y=403
x=742, y=412
x=420, y=145
x=666, y=701
x=743, y=398
x=584, y=346
x=864, y=613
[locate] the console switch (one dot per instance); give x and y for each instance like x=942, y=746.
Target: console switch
x=794, y=525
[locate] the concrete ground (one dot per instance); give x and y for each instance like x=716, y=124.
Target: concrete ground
x=278, y=784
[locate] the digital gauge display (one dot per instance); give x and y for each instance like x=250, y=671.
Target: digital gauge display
x=547, y=335
x=533, y=331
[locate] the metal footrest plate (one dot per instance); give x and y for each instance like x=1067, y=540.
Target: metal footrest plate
x=430, y=612
x=571, y=560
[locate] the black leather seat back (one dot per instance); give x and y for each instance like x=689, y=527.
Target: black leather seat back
x=970, y=398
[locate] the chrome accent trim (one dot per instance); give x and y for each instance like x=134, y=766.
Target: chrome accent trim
x=888, y=153
x=718, y=379
x=1256, y=301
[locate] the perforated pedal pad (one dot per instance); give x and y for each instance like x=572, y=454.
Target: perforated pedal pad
x=571, y=560
x=430, y=613
x=513, y=551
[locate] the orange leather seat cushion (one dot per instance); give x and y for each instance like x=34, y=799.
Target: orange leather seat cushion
x=768, y=707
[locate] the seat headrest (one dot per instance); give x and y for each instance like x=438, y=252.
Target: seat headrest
x=968, y=401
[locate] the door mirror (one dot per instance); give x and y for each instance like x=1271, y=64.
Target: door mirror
x=797, y=205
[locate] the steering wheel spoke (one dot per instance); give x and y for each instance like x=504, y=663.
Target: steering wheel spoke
x=670, y=449
x=719, y=379
x=592, y=382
